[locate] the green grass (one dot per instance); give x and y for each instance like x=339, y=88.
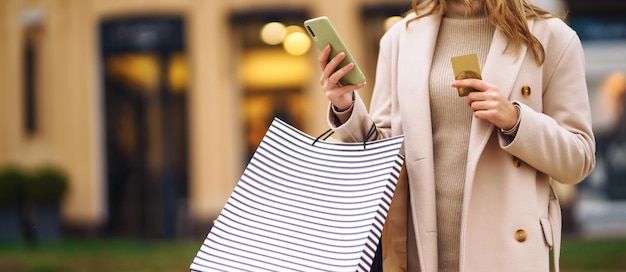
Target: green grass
x=99, y=255
x=593, y=255
x=123, y=255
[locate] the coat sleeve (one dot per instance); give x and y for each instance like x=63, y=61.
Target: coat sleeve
x=559, y=141
x=358, y=125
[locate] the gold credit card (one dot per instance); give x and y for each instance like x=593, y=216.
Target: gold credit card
x=465, y=67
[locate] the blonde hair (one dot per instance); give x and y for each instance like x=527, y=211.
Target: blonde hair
x=509, y=16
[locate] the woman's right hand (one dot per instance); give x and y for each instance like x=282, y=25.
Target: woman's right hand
x=338, y=95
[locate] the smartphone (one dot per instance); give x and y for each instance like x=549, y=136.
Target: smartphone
x=323, y=33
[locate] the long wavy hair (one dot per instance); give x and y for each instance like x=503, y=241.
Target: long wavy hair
x=509, y=16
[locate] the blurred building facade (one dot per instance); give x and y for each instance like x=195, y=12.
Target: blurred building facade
x=601, y=199
x=153, y=107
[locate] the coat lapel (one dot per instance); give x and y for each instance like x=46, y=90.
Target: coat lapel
x=416, y=49
x=414, y=63
x=500, y=69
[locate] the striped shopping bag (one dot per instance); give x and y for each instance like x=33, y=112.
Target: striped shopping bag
x=305, y=205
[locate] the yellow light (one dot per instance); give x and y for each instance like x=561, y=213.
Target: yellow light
x=136, y=70
x=272, y=68
x=273, y=33
x=293, y=29
x=178, y=74
x=297, y=43
x=391, y=20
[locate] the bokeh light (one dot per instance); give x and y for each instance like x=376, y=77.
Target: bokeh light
x=273, y=33
x=391, y=20
x=297, y=43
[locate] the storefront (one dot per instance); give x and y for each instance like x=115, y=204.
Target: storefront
x=154, y=107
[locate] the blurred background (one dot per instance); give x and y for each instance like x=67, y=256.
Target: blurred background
x=128, y=122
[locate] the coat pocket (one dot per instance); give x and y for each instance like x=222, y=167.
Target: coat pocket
x=551, y=225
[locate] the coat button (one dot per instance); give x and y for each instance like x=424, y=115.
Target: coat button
x=526, y=91
x=520, y=235
x=517, y=162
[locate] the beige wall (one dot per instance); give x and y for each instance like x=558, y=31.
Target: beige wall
x=67, y=101
x=70, y=107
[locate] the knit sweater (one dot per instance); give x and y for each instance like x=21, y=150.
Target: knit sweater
x=460, y=33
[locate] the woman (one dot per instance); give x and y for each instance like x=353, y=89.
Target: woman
x=479, y=167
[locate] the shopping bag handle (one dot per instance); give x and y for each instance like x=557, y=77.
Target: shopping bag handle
x=372, y=135
x=324, y=135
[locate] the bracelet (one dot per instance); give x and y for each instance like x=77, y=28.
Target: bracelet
x=336, y=110
x=513, y=130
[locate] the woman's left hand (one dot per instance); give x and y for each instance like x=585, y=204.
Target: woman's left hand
x=488, y=103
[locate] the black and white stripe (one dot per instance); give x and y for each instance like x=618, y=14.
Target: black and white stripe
x=301, y=206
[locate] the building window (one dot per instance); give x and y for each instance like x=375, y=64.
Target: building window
x=30, y=90
x=32, y=33
x=274, y=69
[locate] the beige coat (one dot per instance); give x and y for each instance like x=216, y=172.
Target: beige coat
x=506, y=224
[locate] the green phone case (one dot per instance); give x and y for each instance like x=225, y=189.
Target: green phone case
x=323, y=33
